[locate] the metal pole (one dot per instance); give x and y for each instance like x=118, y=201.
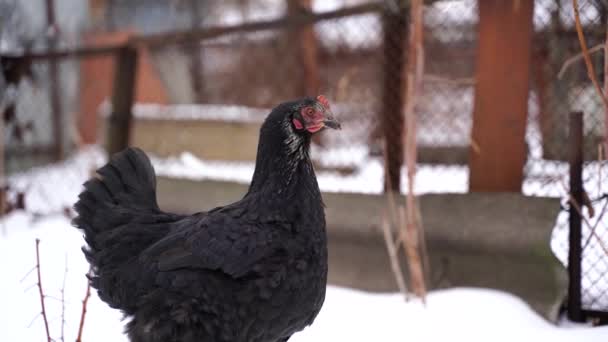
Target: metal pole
x=575, y=222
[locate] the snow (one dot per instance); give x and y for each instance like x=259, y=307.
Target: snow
x=53, y=188
x=210, y=112
x=461, y=314
x=367, y=177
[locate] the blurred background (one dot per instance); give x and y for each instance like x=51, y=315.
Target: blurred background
x=191, y=81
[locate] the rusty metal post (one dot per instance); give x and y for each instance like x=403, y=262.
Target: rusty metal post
x=395, y=30
x=54, y=81
x=575, y=221
x=119, y=122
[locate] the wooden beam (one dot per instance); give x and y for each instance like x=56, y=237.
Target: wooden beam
x=164, y=39
x=501, y=95
x=194, y=36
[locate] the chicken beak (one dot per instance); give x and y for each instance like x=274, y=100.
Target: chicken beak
x=330, y=121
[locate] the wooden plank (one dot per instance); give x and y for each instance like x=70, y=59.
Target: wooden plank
x=501, y=95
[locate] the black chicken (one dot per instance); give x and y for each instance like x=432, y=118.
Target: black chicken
x=254, y=270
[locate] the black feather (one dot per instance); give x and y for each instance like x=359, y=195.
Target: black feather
x=254, y=270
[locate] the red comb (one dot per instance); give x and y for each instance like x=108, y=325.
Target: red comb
x=323, y=100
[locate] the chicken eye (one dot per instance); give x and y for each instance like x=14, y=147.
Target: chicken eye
x=309, y=111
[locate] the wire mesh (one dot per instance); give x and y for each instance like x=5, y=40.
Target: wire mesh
x=556, y=94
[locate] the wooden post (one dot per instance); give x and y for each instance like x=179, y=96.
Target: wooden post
x=395, y=30
x=575, y=221
x=195, y=54
x=501, y=95
x=54, y=82
x=306, y=39
x=119, y=122
x=307, y=48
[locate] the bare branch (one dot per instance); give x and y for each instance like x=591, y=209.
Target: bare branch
x=578, y=208
x=389, y=219
x=34, y=320
x=84, y=311
x=65, y=275
x=393, y=255
x=52, y=297
x=410, y=225
x=27, y=289
x=576, y=58
x=587, y=57
x=592, y=227
x=599, y=219
x=46, y=322
x=27, y=274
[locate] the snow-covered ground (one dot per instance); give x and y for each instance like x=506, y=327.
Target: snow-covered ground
x=348, y=315
x=461, y=314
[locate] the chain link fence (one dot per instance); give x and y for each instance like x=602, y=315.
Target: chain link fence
x=559, y=88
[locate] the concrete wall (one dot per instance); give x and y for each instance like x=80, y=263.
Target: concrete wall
x=498, y=240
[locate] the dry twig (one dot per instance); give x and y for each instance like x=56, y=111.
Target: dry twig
x=44, y=317
x=599, y=219
x=393, y=254
x=65, y=274
x=592, y=227
x=593, y=233
x=389, y=219
x=27, y=274
x=586, y=55
x=576, y=58
x=84, y=311
x=412, y=229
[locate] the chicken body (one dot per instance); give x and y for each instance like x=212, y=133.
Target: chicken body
x=254, y=270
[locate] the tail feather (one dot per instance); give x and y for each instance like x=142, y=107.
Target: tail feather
x=124, y=185
x=120, y=217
